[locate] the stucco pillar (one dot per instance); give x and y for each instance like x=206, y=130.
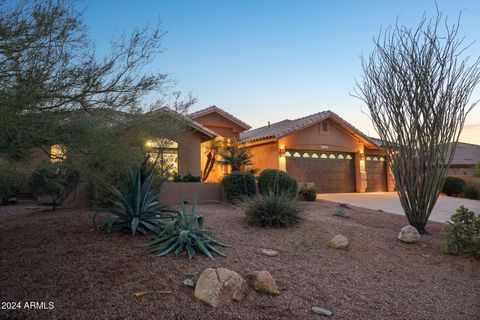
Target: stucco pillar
x=282, y=160
x=360, y=172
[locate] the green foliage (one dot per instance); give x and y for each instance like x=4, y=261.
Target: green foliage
x=137, y=207
x=238, y=184
x=476, y=172
x=10, y=182
x=272, y=210
x=463, y=233
x=185, y=233
x=56, y=180
x=235, y=157
x=471, y=192
x=277, y=181
x=453, y=186
x=308, y=193
x=187, y=178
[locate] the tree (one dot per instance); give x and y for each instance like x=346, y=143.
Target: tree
x=417, y=84
x=213, y=150
x=56, y=89
x=235, y=157
x=476, y=172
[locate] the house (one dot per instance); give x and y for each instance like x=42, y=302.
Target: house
x=323, y=149
x=465, y=158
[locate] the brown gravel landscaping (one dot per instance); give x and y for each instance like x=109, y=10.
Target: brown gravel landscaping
x=59, y=257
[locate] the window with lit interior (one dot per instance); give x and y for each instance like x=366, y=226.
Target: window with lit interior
x=163, y=154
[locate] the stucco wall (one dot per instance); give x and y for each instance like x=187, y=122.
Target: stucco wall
x=312, y=138
x=220, y=125
x=175, y=192
x=189, y=153
x=265, y=156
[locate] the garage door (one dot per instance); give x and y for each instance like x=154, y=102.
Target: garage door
x=376, y=169
x=330, y=171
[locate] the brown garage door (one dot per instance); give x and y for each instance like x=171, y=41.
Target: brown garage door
x=376, y=169
x=330, y=171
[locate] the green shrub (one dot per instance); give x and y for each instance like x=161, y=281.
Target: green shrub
x=476, y=171
x=453, y=186
x=56, y=180
x=10, y=182
x=272, y=210
x=238, y=184
x=463, y=233
x=308, y=193
x=471, y=192
x=340, y=212
x=185, y=233
x=187, y=178
x=136, y=207
x=277, y=181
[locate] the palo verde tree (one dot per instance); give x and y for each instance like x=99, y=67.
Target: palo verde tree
x=417, y=84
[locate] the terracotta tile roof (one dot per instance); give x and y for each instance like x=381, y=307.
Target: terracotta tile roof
x=285, y=127
x=211, y=109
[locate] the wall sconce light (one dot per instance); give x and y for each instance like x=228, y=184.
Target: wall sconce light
x=362, y=156
x=282, y=152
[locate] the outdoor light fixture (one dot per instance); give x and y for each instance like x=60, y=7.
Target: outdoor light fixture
x=282, y=152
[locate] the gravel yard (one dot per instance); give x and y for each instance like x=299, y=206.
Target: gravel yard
x=58, y=257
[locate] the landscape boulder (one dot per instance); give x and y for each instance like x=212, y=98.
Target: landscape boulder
x=262, y=281
x=218, y=287
x=408, y=234
x=338, y=242
x=269, y=252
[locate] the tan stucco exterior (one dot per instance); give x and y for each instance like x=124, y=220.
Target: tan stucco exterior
x=221, y=125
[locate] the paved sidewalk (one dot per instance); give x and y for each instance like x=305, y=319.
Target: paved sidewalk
x=389, y=202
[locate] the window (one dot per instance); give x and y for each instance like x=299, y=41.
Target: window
x=58, y=153
x=163, y=154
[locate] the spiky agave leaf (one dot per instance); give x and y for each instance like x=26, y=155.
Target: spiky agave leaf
x=185, y=233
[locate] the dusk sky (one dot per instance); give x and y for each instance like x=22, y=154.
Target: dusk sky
x=273, y=60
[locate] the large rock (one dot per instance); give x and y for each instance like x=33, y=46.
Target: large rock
x=262, y=281
x=408, y=234
x=220, y=286
x=338, y=242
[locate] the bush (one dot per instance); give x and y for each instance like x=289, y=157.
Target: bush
x=308, y=193
x=136, y=207
x=56, y=180
x=277, y=181
x=453, y=186
x=10, y=183
x=185, y=233
x=238, y=184
x=471, y=192
x=272, y=210
x=463, y=233
x=187, y=178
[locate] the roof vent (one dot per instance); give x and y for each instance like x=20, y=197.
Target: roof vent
x=269, y=123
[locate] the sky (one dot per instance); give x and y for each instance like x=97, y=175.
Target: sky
x=274, y=60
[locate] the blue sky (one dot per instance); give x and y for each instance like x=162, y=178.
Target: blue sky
x=272, y=60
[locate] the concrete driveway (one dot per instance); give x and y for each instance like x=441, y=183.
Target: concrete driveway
x=389, y=202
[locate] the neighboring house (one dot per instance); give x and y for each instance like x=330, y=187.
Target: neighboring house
x=464, y=160
x=323, y=149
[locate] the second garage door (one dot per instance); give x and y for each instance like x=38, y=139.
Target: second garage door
x=330, y=171
x=376, y=169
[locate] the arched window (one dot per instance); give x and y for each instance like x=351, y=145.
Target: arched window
x=163, y=154
x=58, y=153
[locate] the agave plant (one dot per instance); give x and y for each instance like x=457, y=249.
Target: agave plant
x=137, y=207
x=185, y=233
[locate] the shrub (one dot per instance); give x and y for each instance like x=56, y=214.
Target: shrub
x=308, y=193
x=272, y=210
x=463, y=233
x=453, y=186
x=340, y=212
x=10, y=182
x=185, y=233
x=476, y=172
x=471, y=192
x=136, y=207
x=238, y=184
x=187, y=178
x=56, y=180
x=277, y=181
